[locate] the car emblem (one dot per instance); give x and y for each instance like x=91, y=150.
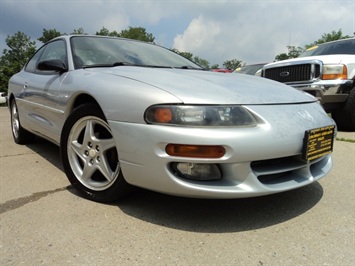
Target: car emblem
x=284, y=74
x=305, y=115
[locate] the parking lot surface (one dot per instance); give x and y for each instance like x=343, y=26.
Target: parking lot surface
x=44, y=222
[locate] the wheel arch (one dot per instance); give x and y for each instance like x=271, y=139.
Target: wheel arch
x=80, y=99
x=9, y=100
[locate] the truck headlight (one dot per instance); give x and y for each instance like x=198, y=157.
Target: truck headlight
x=334, y=72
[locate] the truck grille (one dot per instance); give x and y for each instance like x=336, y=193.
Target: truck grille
x=293, y=73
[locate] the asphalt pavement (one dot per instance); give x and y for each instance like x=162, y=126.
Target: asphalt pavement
x=44, y=222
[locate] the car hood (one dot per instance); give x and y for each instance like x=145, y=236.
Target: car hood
x=207, y=87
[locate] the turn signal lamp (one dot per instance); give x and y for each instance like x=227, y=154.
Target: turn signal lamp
x=163, y=115
x=334, y=72
x=195, y=151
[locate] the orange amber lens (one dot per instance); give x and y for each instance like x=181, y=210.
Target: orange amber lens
x=195, y=151
x=163, y=115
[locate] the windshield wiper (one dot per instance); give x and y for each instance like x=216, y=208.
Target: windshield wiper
x=190, y=67
x=123, y=64
x=110, y=65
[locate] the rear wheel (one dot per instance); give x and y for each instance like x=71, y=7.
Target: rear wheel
x=345, y=116
x=21, y=136
x=89, y=156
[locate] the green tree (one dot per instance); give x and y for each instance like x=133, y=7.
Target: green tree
x=78, y=31
x=232, y=64
x=293, y=52
x=48, y=35
x=196, y=59
x=201, y=62
x=328, y=37
x=138, y=33
x=13, y=59
x=106, y=32
x=187, y=55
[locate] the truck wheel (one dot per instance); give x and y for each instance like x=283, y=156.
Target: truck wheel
x=345, y=116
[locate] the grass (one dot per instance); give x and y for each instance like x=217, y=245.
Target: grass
x=346, y=140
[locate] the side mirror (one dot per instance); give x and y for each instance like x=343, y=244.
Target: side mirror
x=52, y=65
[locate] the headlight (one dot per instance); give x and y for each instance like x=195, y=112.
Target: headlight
x=334, y=72
x=196, y=115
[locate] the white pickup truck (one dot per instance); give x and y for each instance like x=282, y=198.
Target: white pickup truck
x=327, y=71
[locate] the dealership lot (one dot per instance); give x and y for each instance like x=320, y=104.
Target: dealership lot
x=44, y=222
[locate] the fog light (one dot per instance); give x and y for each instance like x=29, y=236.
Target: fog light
x=197, y=171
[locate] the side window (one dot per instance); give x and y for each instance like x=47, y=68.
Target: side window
x=54, y=50
x=32, y=63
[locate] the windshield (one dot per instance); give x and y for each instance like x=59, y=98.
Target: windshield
x=249, y=69
x=91, y=51
x=338, y=47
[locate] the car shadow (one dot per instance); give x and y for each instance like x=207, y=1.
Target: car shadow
x=220, y=216
x=49, y=151
x=204, y=215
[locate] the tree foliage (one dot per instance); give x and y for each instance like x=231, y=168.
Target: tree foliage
x=187, y=55
x=196, y=59
x=328, y=37
x=13, y=59
x=294, y=52
x=48, y=35
x=232, y=64
x=201, y=62
x=138, y=33
x=79, y=31
x=105, y=32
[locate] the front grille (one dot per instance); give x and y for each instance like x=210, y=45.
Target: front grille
x=277, y=170
x=274, y=172
x=293, y=73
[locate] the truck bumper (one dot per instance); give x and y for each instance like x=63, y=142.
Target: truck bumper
x=327, y=91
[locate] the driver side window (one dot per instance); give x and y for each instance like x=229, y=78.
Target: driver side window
x=53, y=50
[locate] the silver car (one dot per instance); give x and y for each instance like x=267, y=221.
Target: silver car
x=127, y=113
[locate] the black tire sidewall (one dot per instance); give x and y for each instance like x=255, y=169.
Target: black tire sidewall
x=350, y=108
x=345, y=116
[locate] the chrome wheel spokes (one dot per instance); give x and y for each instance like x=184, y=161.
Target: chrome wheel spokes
x=92, y=153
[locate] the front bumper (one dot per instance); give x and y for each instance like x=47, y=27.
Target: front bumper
x=327, y=91
x=259, y=160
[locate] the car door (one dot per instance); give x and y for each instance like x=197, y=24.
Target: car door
x=41, y=91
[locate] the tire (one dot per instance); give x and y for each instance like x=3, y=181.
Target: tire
x=20, y=135
x=89, y=156
x=345, y=116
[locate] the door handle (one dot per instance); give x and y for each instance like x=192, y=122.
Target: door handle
x=25, y=86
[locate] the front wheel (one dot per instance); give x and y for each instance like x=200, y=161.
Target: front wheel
x=89, y=156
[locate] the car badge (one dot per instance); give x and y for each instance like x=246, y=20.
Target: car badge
x=305, y=115
x=284, y=74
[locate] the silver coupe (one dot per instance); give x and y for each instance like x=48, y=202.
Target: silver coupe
x=127, y=113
